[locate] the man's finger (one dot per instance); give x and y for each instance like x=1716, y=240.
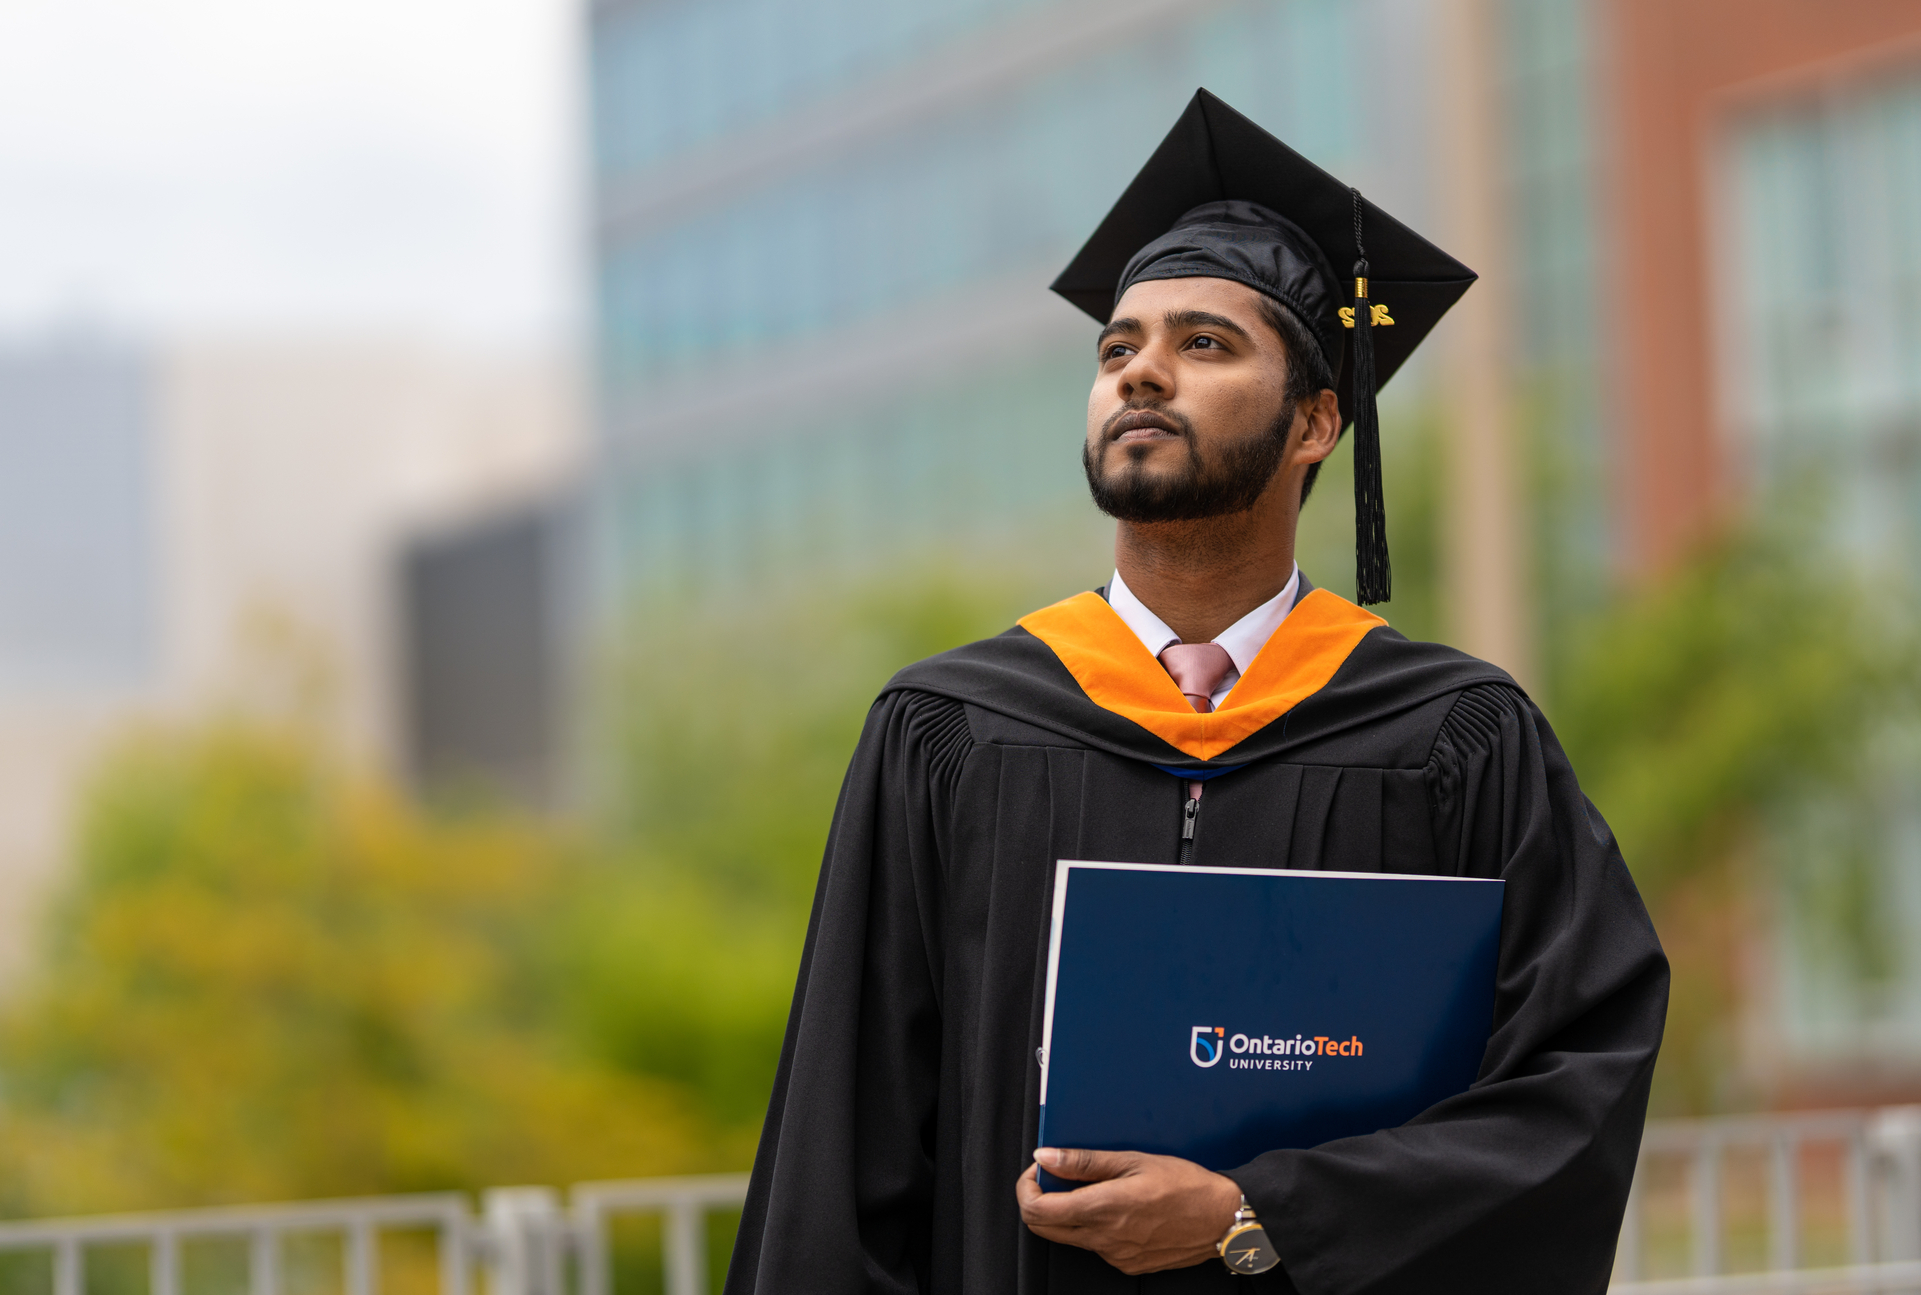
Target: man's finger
x=1027, y=1188
x=1077, y=1237
x=1084, y=1166
x=1055, y=1215
x=1038, y=1207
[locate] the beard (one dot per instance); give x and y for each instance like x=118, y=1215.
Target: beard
x=1230, y=483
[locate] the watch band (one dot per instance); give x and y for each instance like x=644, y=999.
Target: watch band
x=1245, y=1248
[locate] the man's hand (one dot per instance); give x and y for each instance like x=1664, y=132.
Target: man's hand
x=1142, y=1213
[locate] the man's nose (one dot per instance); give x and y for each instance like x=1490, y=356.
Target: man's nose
x=1146, y=373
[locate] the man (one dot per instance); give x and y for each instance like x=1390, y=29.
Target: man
x=1208, y=707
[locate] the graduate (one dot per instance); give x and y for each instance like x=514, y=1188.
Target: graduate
x=1208, y=706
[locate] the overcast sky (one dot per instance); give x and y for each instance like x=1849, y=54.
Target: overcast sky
x=385, y=165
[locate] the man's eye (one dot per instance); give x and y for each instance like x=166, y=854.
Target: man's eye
x=1205, y=343
x=1115, y=351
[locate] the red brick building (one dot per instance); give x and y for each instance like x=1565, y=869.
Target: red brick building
x=1678, y=78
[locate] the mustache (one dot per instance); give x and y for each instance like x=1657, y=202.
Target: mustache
x=1155, y=407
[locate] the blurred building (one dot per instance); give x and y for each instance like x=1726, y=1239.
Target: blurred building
x=207, y=527
x=1764, y=217
x=77, y=564
x=491, y=648
x=822, y=236
x=80, y=586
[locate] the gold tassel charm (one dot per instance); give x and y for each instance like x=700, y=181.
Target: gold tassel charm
x=1376, y=314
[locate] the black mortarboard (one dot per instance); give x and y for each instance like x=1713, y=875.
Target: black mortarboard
x=1222, y=198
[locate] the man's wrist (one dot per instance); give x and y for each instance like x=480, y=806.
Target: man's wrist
x=1243, y=1213
x=1245, y=1247
x=1227, y=1197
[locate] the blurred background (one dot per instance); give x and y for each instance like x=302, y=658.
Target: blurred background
x=466, y=467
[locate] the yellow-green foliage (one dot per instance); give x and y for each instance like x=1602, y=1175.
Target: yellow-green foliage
x=266, y=982
x=1753, y=675
x=1704, y=715
x=732, y=737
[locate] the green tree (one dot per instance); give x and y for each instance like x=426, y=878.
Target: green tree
x=1703, y=712
x=732, y=734
x=266, y=981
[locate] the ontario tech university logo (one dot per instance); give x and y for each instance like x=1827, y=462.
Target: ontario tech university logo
x=1207, y=1044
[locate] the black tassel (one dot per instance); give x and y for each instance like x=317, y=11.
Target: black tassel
x=1373, y=576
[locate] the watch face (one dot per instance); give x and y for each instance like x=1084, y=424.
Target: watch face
x=1247, y=1250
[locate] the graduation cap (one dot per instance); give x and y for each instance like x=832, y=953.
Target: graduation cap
x=1222, y=198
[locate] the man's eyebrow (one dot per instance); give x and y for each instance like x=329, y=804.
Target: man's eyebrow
x=1176, y=320
x=1123, y=325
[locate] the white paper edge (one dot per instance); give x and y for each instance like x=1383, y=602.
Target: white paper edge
x=1305, y=874
x=1053, y=967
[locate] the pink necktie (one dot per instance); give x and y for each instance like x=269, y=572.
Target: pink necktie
x=1198, y=669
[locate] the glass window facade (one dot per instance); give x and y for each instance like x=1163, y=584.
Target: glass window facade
x=1012, y=179
x=1826, y=198
x=1550, y=127
x=671, y=75
x=943, y=222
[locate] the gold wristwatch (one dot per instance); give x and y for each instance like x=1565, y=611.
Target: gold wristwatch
x=1245, y=1248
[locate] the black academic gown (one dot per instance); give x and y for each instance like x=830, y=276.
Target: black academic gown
x=906, y=1100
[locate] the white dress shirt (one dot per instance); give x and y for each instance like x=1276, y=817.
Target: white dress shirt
x=1243, y=639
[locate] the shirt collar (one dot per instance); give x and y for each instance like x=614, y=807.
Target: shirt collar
x=1243, y=639
x=1150, y=629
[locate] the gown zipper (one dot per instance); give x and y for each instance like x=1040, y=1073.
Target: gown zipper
x=1190, y=815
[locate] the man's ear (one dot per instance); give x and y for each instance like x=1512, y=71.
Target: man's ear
x=1321, y=427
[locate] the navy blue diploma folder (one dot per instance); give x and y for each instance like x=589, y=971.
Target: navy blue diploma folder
x=1218, y=1013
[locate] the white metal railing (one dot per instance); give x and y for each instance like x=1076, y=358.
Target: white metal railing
x=357, y=1222
x=683, y=1203
x=532, y=1241
x=524, y=1240
x=1873, y=1200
